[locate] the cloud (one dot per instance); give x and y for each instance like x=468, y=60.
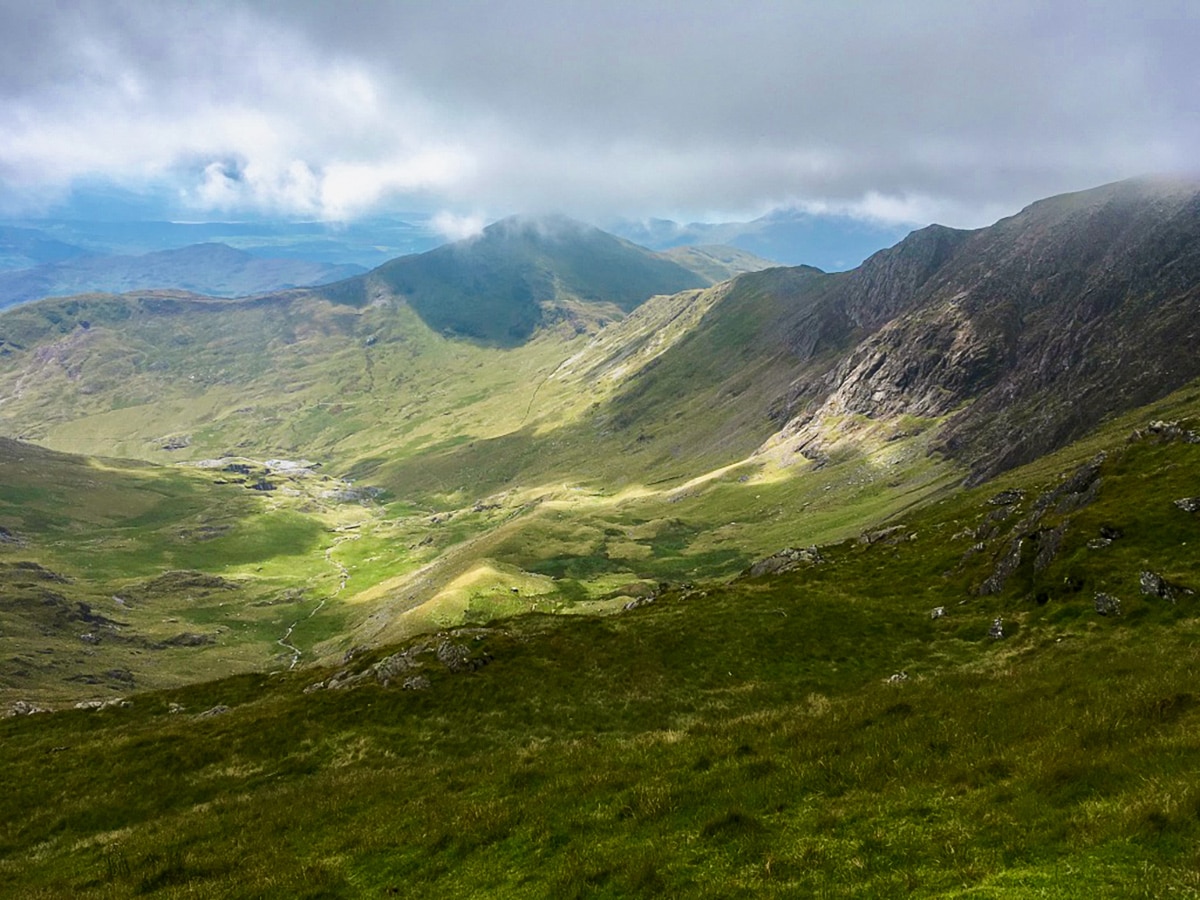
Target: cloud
x=455, y=227
x=959, y=111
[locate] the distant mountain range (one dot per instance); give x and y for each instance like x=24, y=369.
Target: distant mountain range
x=214, y=269
x=830, y=242
x=365, y=243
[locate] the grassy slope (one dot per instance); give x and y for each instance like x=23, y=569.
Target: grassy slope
x=726, y=740
x=584, y=472
x=86, y=610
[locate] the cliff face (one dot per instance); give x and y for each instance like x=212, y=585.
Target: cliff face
x=1033, y=329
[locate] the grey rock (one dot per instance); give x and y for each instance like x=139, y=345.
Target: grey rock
x=1189, y=504
x=390, y=667
x=1005, y=566
x=1007, y=498
x=25, y=708
x=938, y=612
x=785, y=560
x=1154, y=585
x=996, y=632
x=897, y=678
x=416, y=683
x=891, y=535
x=455, y=657
x=1107, y=604
x=219, y=710
x=1165, y=432
x=1048, y=543
x=119, y=702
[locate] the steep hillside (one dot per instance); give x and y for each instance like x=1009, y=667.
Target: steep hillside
x=214, y=269
x=996, y=696
x=501, y=285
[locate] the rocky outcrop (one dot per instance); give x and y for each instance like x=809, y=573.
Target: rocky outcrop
x=410, y=666
x=785, y=560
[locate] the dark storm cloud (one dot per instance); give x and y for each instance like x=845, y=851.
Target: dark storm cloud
x=918, y=111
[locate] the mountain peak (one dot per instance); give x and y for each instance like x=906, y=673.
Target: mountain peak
x=494, y=287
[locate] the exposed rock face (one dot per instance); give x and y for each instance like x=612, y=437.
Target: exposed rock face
x=411, y=664
x=1005, y=567
x=1044, y=322
x=785, y=560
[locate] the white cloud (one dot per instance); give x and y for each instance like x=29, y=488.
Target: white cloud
x=455, y=227
x=940, y=109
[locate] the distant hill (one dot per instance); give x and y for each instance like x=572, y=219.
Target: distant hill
x=717, y=262
x=213, y=269
x=24, y=248
x=366, y=243
x=793, y=237
x=494, y=287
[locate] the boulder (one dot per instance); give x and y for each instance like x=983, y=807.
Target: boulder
x=938, y=612
x=996, y=632
x=1107, y=604
x=1189, y=504
x=1154, y=585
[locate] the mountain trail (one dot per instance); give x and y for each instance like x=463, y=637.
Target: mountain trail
x=343, y=577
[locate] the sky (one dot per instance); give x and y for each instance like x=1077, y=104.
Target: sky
x=956, y=112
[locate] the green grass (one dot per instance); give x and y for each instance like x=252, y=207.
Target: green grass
x=729, y=739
